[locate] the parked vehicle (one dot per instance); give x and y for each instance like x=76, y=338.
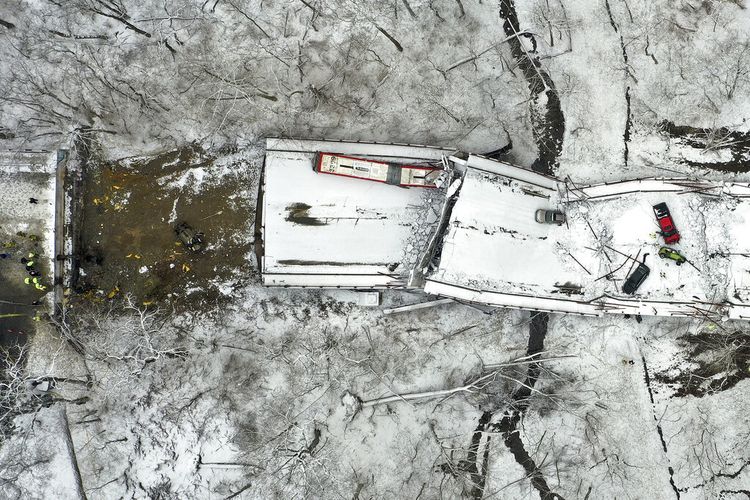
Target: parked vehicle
x=544, y=216
x=426, y=176
x=672, y=254
x=189, y=237
x=637, y=277
x=668, y=230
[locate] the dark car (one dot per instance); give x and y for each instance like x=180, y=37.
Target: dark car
x=189, y=237
x=636, y=278
x=668, y=230
x=544, y=216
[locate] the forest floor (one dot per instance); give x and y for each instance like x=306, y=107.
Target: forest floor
x=131, y=209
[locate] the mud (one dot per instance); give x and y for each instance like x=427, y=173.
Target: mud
x=298, y=213
x=128, y=242
x=722, y=139
x=719, y=360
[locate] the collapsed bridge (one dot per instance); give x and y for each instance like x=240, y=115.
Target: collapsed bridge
x=470, y=232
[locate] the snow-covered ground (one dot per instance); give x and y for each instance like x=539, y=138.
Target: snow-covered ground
x=243, y=399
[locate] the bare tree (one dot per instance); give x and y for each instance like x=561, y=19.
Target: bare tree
x=122, y=332
x=18, y=393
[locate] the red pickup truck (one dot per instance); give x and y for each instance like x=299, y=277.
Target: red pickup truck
x=668, y=230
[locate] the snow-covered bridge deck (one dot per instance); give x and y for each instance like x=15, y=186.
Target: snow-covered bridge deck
x=329, y=231
x=580, y=267
x=490, y=250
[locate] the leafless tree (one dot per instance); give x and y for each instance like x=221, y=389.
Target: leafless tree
x=18, y=393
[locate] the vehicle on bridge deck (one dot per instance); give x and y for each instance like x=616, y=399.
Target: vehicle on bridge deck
x=668, y=230
x=426, y=175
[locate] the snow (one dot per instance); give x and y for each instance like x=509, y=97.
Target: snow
x=268, y=368
x=24, y=176
x=38, y=464
x=494, y=239
x=317, y=224
x=494, y=252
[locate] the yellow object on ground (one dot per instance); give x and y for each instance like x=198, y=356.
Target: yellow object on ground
x=133, y=256
x=113, y=292
x=185, y=268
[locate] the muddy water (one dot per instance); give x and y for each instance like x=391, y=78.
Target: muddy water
x=128, y=240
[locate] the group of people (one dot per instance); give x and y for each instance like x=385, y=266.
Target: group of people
x=29, y=261
x=34, y=277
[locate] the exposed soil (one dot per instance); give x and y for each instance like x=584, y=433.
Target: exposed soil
x=713, y=139
x=128, y=242
x=720, y=360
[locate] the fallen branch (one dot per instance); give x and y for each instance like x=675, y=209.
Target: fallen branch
x=524, y=361
x=389, y=37
x=457, y=332
x=414, y=307
x=477, y=56
x=408, y=8
x=429, y=394
x=251, y=19
x=315, y=11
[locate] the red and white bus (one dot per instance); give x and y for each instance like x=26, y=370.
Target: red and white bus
x=378, y=171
